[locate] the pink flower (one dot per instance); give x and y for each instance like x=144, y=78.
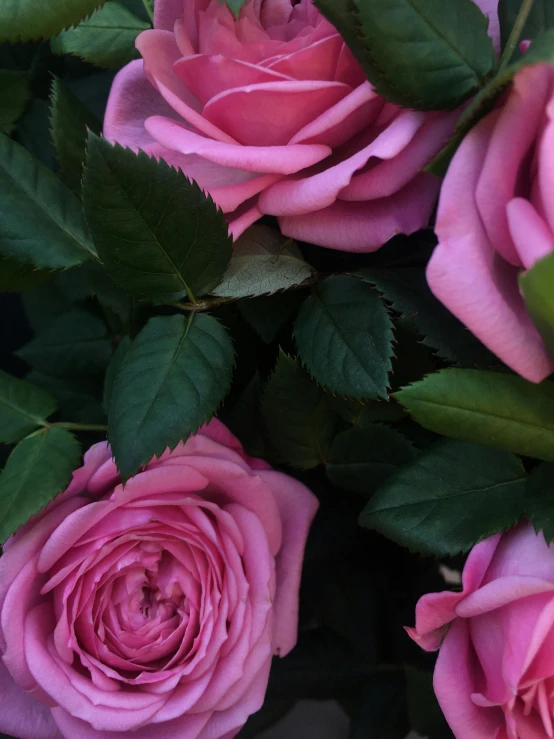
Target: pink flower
x=495, y=669
x=496, y=218
x=153, y=608
x=271, y=114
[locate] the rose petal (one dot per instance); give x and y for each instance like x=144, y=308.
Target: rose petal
x=532, y=238
x=20, y=714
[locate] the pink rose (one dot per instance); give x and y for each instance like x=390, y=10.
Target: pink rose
x=496, y=218
x=153, y=608
x=271, y=114
x=495, y=668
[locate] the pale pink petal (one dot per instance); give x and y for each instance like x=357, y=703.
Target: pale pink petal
x=316, y=62
x=241, y=219
x=166, y=12
x=20, y=714
x=160, y=52
x=532, y=237
x=456, y=678
x=546, y=163
x=208, y=76
x=298, y=507
x=516, y=127
x=231, y=197
x=500, y=592
x=522, y=551
x=270, y=113
x=365, y=227
x=470, y=278
x=259, y=159
x=312, y=193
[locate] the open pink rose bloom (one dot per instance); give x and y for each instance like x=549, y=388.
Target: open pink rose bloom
x=153, y=608
x=271, y=114
x=495, y=668
x=496, y=219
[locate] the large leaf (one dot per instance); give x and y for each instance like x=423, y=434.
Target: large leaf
x=171, y=381
x=29, y=19
x=69, y=121
x=74, y=343
x=449, y=498
x=37, y=470
x=157, y=233
x=41, y=221
x=106, y=39
x=491, y=408
x=539, y=19
x=344, y=337
x=539, y=499
x=23, y=408
x=14, y=92
x=263, y=262
x=426, y=54
x=297, y=416
x=537, y=287
x=362, y=458
x=406, y=289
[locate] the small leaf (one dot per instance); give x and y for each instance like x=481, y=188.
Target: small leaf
x=536, y=286
x=297, y=417
x=106, y=39
x=157, y=234
x=263, y=262
x=491, y=408
x=362, y=458
x=113, y=370
x=426, y=54
x=171, y=381
x=23, y=20
x=37, y=470
x=451, y=497
x=69, y=122
x=41, y=221
x=539, y=499
x=16, y=277
x=74, y=343
x=14, y=92
x=23, y=408
x=406, y=289
x=76, y=396
x=344, y=338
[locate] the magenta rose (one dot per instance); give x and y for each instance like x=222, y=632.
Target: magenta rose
x=495, y=670
x=153, y=608
x=271, y=114
x=496, y=219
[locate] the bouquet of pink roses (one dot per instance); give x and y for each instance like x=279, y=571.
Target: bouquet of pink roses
x=278, y=299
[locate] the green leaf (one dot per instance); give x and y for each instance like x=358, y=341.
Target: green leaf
x=536, y=286
x=426, y=54
x=539, y=497
x=106, y=39
x=77, y=397
x=48, y=301
x=31, y=129
x=449, y=498
x=23, y=408
x=297, y=416
x=268, y=314
x=362, y=458
x=113, y=370
x=541, y=50
x=263, y=262
x=539, y=19
x=344, y=338
x=14, y=92
x=158, y=235
x=23, y=20
x=69, y=122
x=171, y=381
x=37, y=470
x=16, y=277
x=74, y=343
x=407, y=291
x=491, y=408
x=41, y=221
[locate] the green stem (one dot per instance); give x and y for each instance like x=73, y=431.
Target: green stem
x=148, y=9
x=515, y=34
x=81, y=426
